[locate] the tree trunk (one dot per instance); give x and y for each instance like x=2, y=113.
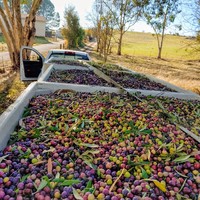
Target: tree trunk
x=161, y=43
x=98, y=36
x=120, y=42
x=15, y=34
x=159, y=52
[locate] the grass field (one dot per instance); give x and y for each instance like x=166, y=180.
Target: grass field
x=179, y=66
x=145, y=44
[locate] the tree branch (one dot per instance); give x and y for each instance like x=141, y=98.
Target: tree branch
x=18, y=23
x=8, y=28
x=5, y=2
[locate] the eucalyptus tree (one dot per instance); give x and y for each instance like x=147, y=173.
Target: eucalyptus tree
x=47, y=10
x=125, y=14
x=54, y=23
x=14, y=32
x=160, y=14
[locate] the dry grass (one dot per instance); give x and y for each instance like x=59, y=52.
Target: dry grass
x=10, y=90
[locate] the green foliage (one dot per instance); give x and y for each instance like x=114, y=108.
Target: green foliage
x=125, y=13
x=47, y=10
x=55, y=22
x=160, y=14
x=73, y=32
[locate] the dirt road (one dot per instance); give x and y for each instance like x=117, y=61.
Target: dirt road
x=4, y=56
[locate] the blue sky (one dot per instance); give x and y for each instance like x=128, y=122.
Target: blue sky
x=85, y=6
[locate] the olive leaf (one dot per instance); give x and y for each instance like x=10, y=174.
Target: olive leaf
x=98, y=173
x=149, y=155
x=3, y=158
x=138, y=163
x=89, y=145
x=183, y=185
x=182, y=159
x=37, y=133
x=76, y=194
x=86, y=144
x=42, y=185
x=49, y=150
x=89, y=187
x=144, y=173
x=180, y=147
x=158, y=184
x=82, y=124
x=180, y=197
x=180, y=174
x=70, y=182
x=197, y=112
x=26, y=112
x=24, y=177
x=40, y=162
x=113, y=185
x=58, y=180
x=21, y=123
x=194, y=153
x=93, y=152
x=145, y=131
x=57, y=162
x=89, y=163
x=46, y=178
x=25, y=154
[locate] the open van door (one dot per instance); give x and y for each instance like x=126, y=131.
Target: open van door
x=31, y=62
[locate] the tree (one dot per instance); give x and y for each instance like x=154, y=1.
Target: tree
x=72, y=31
x=125, y=13
x=103, y=23
x=190, y=18
x=95, y=18
x=160, y=14
x=55, y=22
x=47, y=10
x=13, y=31
x=106, y=34
x=195, y=18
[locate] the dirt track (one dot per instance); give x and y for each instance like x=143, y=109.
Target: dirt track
x=41, y=48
